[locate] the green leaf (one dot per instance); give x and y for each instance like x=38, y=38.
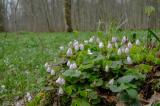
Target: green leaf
x=116, y=64
x=126, y=79
x=114, y=88
x=83, y=93
x=79, y=102
x=92, y=95
x=99, y=59
x=144, y=68
x=132, y=93
x=68, y=90
x=72, y=73
x=97, y=82
x=86, y=66
x=154, y=35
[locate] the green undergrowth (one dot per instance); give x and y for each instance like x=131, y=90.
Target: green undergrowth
x=23, y=55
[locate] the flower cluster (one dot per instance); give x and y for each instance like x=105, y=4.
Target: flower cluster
x=96, y=64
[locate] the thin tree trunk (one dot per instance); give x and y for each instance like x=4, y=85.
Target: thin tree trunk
x=1, y=16
x=67, y=14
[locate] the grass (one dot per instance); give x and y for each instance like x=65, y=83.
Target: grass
x=22, y=59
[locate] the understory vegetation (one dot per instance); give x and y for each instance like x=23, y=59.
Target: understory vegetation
x=81, y=69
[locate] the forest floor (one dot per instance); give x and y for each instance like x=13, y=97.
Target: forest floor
x=22, y=59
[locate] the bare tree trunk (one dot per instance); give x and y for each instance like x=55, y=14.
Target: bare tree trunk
x=67, y=14
x=1, y=16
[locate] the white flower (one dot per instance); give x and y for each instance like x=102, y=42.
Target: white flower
x=53, y=72
x=75, y=43
x=129, y=45
x=46, y=65
x=111, y=82
x=61, y=48
x=76, y=47
x=116, y=45
x=3, y=86
x=109, y=45
x=91, y=40
x=28, y=94
x=86, y=41
x=49, y=69
x=89, y=52
x=101, y=45
x=119, y=51
x=106, y=68
x=81, y=47
x=60, y=91
x=124, y=39
x=68, y=63
x=137, y=42
x=60, y=81
x=69, y=52
x=127, y=50
x=114, y=39
x=29, y=97
x=129, y=60
x=73, y=66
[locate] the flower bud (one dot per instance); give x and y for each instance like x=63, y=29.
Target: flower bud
x=86, y=42
x=101, y=45
x=124, y=39
x=49, y=69
x=75, y=43
x=60, y=81
x=74, y=65
x=129, y=60
x=107, y=68
x=109, y=45
x=111, y=82
x=119, y=51
x=137, y=42
x=60, y=91
x=129, y=45
x=46, y=65
x=69, y=52
x=76, y=47
x=29, y=97
x=68, y=63
x=114, y=39
x=91, y=40
x=61, y=48
x=81, y=47
x=89, y=52
x=127, y=50
x=53, y=72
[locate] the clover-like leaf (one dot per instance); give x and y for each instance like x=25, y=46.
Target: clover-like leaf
x=79, y=102
x=72, y=73
x=132, y=93
x=115, y=88
x=126, y=79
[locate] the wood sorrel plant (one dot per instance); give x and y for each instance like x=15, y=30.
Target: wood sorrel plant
x=92, y=71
